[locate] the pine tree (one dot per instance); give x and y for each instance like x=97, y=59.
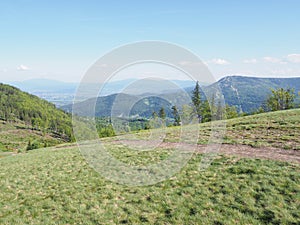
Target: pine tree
x=196, y=99
x=162, y=113
x=177, y=120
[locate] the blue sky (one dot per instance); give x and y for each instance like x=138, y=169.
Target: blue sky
x=62, y=39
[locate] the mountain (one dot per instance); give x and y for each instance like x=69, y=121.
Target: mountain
x=44, y=85
x=24, y=116
x=58, y=92
x=249, y=93
x=62, y=93
x=246, y=93
x=117, y=105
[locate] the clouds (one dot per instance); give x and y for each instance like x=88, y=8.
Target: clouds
x=218, y=61
x=267, y=66
x=294, y=58
x=288, y=59
x=250, y=61
x=23, y=68
x=269, y=59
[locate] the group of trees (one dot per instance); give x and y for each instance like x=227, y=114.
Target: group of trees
x=38, y=114
x=207, y=109
x=201, y=108
x=213, y=108
x=41, y=115
x=280, y=99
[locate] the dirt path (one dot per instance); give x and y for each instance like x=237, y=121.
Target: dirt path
x=226, y=149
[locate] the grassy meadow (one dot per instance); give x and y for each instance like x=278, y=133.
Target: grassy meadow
x=280, y=129
x=56, y=185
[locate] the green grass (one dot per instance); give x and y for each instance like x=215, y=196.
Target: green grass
x=14, y=137
x=279, y=129
x=56, y=186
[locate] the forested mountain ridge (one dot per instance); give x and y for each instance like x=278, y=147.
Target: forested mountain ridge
x=249, y=93
x=20, y=107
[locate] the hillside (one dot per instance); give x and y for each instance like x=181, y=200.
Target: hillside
x=25, y=117
x=280, y=129
x=143, y=107
x=58, y=186
x=248, y=93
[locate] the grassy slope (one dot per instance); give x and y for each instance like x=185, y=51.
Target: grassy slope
x=14, y=137
x=279, y=129
x=58, y=187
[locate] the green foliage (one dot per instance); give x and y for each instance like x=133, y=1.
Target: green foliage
x=162, y=113
x=247, y=94
x=208, y=109
x=186, y=114
x=206, y=112
x=176, y=116
x=36, y=113
x=33, y=145
x=196, y=99
x=281, y=99
x=230, y=112
x=14, y=136
x=104, y=127
x=120, y=126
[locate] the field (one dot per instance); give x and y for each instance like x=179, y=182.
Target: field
x=56, y=185
x=280, y=129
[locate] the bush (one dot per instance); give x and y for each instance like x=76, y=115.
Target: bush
x=32, y=145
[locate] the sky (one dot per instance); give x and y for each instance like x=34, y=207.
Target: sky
x=61, y=39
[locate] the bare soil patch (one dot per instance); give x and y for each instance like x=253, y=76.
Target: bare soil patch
x=227, y=149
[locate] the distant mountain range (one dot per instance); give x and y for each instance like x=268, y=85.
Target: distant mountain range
x=62, y=93
x=246, y=93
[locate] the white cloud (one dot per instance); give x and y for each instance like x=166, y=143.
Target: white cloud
x=294, y=58
x=271, y=59
x=250, y=61
x=23, y=68
x=218, y=61
x=190, y=63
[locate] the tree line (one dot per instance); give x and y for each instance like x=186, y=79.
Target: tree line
x=208, y=109
x=38, y=114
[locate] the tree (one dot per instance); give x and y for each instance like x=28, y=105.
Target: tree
x=176, y=116
x=230, y=112
x=196, y=99
x=162, y=113
x=281, y=99
x=206, y=111
x=187, y=115
x=154, y=115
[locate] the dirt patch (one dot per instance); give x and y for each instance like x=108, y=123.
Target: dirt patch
x=226, y=149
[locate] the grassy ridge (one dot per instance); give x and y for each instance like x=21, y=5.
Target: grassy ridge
x=279, y=129
x=58, y=187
